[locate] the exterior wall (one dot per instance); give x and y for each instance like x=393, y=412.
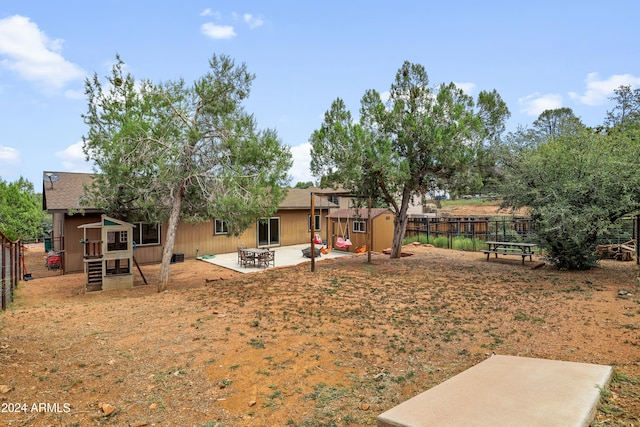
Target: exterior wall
x=200, y=238
x=57, y=230
x=294, y=226
x=383, y=231
x=74, y=250
x=192, y=239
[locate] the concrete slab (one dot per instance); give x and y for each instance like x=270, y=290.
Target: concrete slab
x=285, y=255
x=508, y=391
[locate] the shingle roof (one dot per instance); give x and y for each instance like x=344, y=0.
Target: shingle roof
x=64, y=193
x=300, y=198
x=68, y=189
x=362, y=213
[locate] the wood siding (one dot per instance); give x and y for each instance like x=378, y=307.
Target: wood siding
x=73, y=254
x=192, y=239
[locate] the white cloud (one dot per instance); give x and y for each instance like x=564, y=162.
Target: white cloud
x=214, y=31
x=599, y=91
x=252, y=21
x=73, y=158
x=537, y=103
x=28, y=52
x=467, y=87
x=300, y=171
x=8, y=154
x=209, y=12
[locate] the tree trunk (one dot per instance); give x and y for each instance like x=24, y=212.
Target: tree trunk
x=400, y=226
x=170, y=238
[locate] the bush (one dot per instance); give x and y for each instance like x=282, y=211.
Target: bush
x=459, y=243
x=567, y=244
x=464, y=244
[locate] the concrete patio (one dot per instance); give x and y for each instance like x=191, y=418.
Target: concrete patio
x=285, y=256
x=508, y=391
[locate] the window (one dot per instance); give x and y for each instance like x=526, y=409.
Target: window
x=359, y=226
x=316, y=223
x=334, y=199
x=116, y=241
x=146, y=234
x=221, y=227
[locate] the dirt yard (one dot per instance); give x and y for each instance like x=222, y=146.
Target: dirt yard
x=287, y=347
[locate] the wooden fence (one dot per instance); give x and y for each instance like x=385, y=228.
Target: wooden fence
x=9, y=268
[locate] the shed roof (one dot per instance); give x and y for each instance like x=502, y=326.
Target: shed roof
x=300, y=198
x=362, y=213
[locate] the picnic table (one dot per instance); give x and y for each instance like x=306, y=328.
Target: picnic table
x=510, y=248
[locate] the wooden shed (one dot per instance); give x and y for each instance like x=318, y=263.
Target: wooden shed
x=352, y=224
x=108, y=254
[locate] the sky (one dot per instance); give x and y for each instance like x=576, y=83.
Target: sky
x=537, y=55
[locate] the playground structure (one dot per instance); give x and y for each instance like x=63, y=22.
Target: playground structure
x=108, y=254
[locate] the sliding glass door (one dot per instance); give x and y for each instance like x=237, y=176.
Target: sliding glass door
x=269, y=231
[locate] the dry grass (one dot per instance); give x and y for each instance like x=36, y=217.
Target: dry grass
x=289, y=347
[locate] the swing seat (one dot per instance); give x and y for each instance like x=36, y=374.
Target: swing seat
x=343, y=243
x=317, y=239
x=325, y=251
x=361, y=249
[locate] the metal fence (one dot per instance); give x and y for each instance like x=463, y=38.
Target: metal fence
x=514, y=228
x=9, y=268
x=474, y=228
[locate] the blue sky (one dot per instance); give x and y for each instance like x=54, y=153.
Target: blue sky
x=537, y=55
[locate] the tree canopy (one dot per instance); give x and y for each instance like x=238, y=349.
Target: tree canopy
x=421, y=139
x=576, y=182
x=170, y=151
x=21, y=214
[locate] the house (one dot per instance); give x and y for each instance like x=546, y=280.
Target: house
x=353, y=224
x=290, y=225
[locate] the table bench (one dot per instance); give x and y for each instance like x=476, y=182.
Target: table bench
x=510, y=248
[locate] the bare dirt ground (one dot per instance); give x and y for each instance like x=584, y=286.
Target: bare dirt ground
x=287, y=347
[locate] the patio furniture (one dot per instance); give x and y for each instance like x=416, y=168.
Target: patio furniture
x=240, y=257
x=266, y=259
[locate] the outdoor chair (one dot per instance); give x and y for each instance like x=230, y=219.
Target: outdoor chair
x=241, y=253
x=267, y=258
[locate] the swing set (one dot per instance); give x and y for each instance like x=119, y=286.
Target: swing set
x=342, y=242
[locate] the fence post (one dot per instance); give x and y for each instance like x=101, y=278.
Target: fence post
x=3, y=271
x=9, y=268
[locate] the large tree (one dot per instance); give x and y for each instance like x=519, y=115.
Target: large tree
x=627, y=108
x=169, y=151
x=552, y=124
x=576, y=184
x=421, y=139
x=21, y=214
